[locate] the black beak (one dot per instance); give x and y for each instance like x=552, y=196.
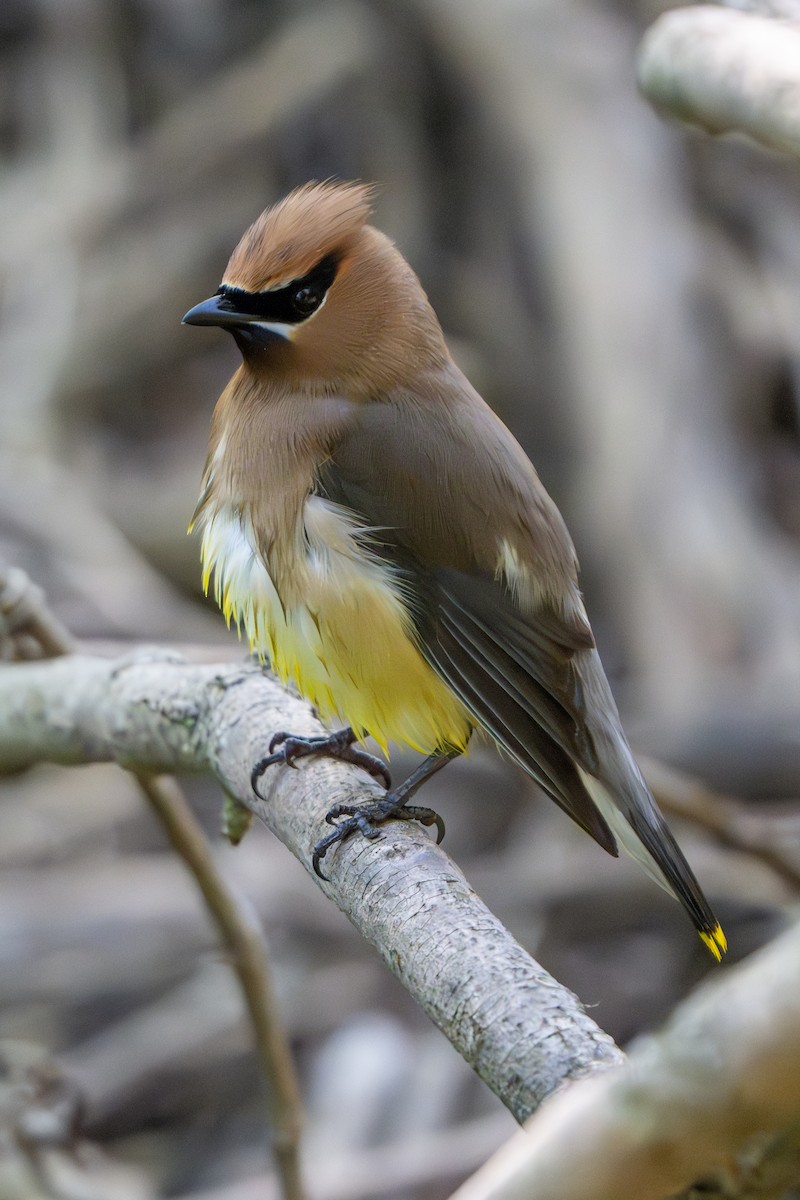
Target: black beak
x=217, y=310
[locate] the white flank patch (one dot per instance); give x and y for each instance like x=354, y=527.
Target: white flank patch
x=243, y=586
x=333, y=535
x=326, y=563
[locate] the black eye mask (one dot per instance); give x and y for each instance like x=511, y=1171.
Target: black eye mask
x=288, y=305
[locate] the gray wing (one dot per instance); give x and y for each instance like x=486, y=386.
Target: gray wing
x=516, y=676
x=434, y=499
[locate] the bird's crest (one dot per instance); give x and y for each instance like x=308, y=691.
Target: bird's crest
x=288, y=240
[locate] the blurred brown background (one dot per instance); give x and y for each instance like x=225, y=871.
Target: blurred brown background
x=624, y=293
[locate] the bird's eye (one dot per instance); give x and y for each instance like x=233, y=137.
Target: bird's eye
x=288, y=305
x=307, y=300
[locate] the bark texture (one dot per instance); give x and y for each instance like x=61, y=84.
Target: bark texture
x=522, y=1032
x=716, y=1092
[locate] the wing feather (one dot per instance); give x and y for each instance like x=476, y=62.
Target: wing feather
x=513, y=673
x=506, y=712
x=521, y=659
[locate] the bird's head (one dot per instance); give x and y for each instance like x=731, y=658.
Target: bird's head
x=315, y=293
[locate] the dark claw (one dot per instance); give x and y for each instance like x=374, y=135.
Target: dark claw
x=340, y=810
x=356, y=822
x=276, y=740
x=320, y=850
x=291, y=748
x=259, y=769
x=364, y=818
x=376, y=767
x=287, y=748
x=281, y=756
x=425, y=816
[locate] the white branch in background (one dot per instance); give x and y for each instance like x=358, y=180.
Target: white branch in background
x=787, y=9
x=705, y=1095
x=522, y=1032
x=726, y=71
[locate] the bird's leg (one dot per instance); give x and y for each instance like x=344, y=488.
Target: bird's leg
x=363, y=818
x=287, y=747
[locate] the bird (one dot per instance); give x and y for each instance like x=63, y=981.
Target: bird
x=384, y=542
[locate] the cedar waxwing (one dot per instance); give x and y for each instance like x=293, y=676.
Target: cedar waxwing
x=383, y=540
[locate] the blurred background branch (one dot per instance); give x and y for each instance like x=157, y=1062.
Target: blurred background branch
x=715, y=1094
x=726, y=71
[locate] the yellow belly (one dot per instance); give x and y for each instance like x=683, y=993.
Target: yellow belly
x=338, y=630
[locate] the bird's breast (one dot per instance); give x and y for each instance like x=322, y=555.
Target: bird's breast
x=328, y=612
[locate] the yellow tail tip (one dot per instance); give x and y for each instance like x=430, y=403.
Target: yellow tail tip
x=716, y=941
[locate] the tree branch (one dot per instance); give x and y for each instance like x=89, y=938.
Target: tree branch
x=707, y=1094
x=726, y=71
x=522, y=1032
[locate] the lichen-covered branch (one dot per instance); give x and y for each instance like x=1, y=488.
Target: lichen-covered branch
x=716, y=1093
x=726, y=71
x=521, y=1031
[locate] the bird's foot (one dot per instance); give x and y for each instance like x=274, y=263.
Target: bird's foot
x=364, y=819
x=287, y=748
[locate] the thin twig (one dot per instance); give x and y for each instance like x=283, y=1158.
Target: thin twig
x=24, y=614
x=240, y=931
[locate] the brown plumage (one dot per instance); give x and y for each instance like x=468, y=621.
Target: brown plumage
x=383, y=539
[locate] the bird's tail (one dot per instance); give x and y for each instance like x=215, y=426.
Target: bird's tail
x=644, y=834
x=627, y=805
